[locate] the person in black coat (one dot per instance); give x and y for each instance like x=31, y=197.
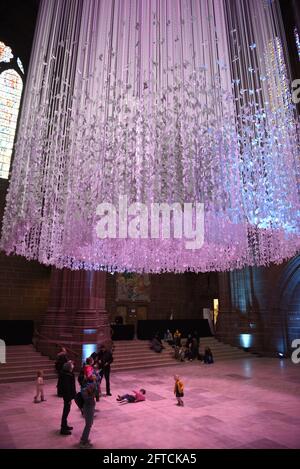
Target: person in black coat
x=67, y=389
x=105, y=360
x=61, y=359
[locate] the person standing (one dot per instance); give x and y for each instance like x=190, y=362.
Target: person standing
x=106, y=359
x=194, y=348
x=178, y=390
x=88, y=392
x=67, y=388
x=88, y=367
x=61, y=359
x=39, y=387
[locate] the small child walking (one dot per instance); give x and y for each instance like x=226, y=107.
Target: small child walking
x=39, y=387
x=178, y=390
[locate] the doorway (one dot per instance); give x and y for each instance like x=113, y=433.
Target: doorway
x=131, y=314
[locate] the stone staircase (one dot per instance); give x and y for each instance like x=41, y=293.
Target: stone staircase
x=134, y=354
x=22, y=363
x=223, y=351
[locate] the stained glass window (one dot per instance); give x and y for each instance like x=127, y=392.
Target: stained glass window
x=297, y=38
x=20, y=65
x=5, y=53
x=11, y=86
x=10, y=96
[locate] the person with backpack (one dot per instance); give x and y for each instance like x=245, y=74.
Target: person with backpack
x=67, y=388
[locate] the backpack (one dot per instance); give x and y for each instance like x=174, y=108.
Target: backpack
x=79, y=400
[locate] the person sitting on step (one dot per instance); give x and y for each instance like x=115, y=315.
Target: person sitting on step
x=208, y=356
x=156, y=344
x=177, y=338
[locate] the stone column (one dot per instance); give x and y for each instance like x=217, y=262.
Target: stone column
x=76, y=317
x=226, y=320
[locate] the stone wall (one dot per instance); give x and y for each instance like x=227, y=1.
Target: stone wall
x=183, y=294
x=263, y=304
x=24, y=285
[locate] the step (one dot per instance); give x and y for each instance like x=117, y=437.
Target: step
x=132, y=366
x=24, y=355
x=22, y=364
x=138, y=367
x=25, y=372
x=36, y=360
x=133, y=345
x=146, y=353
x=137, y=360
x=141, y=362
x=35, y=364
x=20, y=347
x=7, y=368
x=142, y=358
x=122, y=344
x=147, y=349
x=24, y=378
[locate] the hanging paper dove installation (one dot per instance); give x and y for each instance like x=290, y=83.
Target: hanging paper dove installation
x=132, y=104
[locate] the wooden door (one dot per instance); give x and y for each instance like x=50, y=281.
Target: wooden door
x=122, y=311
x=142, y=313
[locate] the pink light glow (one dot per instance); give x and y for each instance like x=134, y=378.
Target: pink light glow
x=167, y=101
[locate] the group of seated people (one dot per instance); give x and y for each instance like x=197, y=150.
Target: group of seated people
x=187, y=351
x=156, y=343
x=190, y=349
x=184, y=353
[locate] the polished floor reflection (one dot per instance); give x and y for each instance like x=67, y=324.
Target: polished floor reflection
x=247, y=403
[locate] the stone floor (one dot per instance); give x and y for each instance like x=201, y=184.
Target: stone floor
x=247, y=403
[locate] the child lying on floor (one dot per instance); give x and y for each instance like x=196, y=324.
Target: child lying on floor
x=137, y=397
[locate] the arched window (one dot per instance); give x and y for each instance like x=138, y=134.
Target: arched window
x=11, y=85
x=297, y=39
